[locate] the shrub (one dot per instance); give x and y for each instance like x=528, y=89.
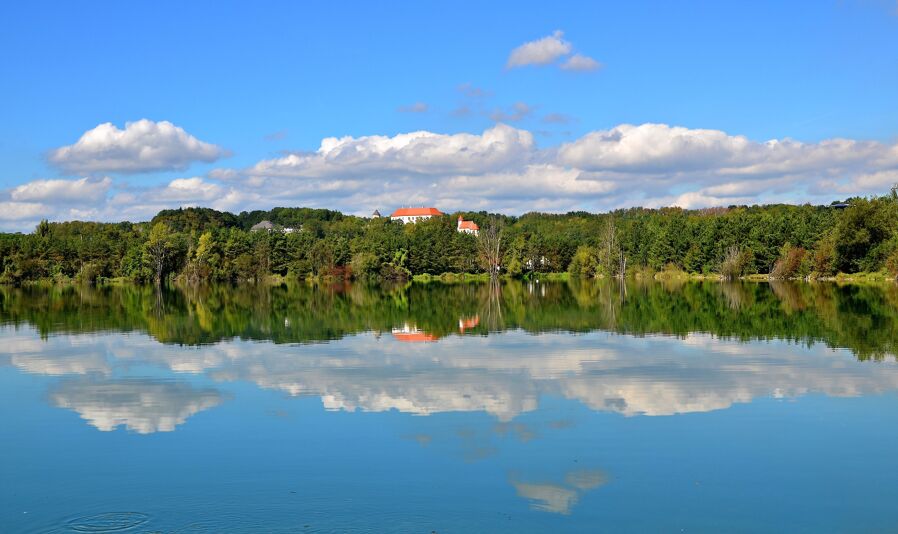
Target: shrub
x=892, y=264
x=790, y=262
x=584, y=263
x=734, y=262
x=365, y=265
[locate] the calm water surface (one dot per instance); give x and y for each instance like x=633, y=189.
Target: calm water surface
x=525, y=407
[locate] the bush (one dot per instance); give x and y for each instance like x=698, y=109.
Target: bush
x=584, y=263
x=825, y=258
x=734, y=262
x=365, y=265
x=892, y=264
x=790, y=263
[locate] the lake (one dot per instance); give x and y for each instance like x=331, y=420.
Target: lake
x=516, y=407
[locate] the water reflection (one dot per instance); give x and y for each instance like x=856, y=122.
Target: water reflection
x=504, y=375
x=140, y=405
x=861, y=318
x=557, y=497
x=554, y=402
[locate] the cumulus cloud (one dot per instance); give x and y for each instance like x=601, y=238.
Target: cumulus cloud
x=548, y=51
x=539, y=52
x=422, y=152
x=142, y=146
x=417, y=107
x=18, y=211
x=191, y=190
x=63, y=191
x=669, y=150
x=499, y=169
x=580, y=63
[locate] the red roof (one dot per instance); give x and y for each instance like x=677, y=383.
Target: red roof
x=415, y=212
x=467, y=225
x=414, y=337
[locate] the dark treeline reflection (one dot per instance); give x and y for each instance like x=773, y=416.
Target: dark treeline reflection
x=861, y=318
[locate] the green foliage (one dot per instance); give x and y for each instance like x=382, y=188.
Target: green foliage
x=863, y=232
x=200, y=245
x=862, y=318
x=584, y=263
x=791, y=263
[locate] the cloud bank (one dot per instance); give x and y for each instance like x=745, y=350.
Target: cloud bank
x=500, y=169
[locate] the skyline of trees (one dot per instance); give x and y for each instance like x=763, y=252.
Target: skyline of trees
x=198, y=245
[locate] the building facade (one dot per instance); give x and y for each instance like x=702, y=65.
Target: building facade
x=467, y=227
x=413, y=215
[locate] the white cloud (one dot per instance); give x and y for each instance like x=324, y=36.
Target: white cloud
x=191, y=189
x=15, y=211
x=875, y=182
x=499, y=169
x=63, y=191
x=669, y=150
x=539, y=52
x=581, y=63
x=142, y=146
x=420, y=152
x=549, y=50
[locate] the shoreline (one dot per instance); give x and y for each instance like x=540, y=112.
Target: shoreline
x=461, y=278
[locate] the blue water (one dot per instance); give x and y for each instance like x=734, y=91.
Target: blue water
x=511, y=432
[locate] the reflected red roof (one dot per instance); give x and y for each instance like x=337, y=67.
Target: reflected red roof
x=470, y=322
x=414, y=337
x=415, y=212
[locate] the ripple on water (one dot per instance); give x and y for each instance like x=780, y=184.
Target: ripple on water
x=107, y=522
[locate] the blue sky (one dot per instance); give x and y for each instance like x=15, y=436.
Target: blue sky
x=262, y=81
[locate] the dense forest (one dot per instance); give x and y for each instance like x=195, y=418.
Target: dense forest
x=196, y=245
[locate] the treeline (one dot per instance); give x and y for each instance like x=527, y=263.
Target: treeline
x=862, y=318
x=203, y=245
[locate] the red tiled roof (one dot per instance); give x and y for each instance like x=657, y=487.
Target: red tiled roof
x=467, y=225
x=414, y=337
x=415, y=212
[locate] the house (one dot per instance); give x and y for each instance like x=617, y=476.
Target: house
x=375, y=215
x=467, y=227
x=268, y=226
x=411, y=334
x=413, y=215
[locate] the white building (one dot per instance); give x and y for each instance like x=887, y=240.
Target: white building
x=467, y=227
x=413, y=215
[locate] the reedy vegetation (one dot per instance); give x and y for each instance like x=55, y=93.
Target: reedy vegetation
x=198, y=244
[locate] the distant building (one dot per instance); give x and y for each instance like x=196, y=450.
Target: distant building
x=467, y=227
x=268, y=226
x=376, y=215
x=411, y=334
x=413, y=215
x=260, y=226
